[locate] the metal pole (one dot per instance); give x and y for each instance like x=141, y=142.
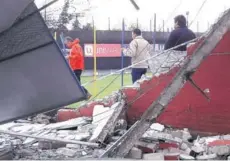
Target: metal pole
x=51, y=139
x=94, y=57
x=154, y=33
x=63, y=43
x=137, y=23
x=109, y=22
x=122, y=54
x=187, y=14
x=197, y=26
x=150, y=25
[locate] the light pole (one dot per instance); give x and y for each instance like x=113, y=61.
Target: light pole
x=187, y=14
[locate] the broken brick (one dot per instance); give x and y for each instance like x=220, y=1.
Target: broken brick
x=168, y=145
x=135, y=153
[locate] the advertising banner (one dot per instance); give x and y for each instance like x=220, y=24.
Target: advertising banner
x=103, y=50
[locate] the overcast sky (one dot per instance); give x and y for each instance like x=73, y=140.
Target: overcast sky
x=118, y=9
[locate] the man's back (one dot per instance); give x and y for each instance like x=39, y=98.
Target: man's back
x=138, y=50
x=179, y=36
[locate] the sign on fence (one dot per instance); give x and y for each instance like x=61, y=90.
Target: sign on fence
x=103, y=50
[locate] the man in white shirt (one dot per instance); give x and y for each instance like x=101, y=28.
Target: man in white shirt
x=138, y=51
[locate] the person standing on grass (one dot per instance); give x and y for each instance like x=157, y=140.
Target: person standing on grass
x=76, y=59
x=138, y=51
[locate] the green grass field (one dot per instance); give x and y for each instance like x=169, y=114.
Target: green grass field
x=99, y=85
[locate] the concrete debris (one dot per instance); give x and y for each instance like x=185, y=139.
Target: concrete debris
x=66, y=152
x=101, y=116
x=135, y=153
x=107, y=126
x=41, y=119
x=155, y=135
x=73, y=146
x=73, y=123
x=98, y=152
x=186, y=157
x=207, y=157
x=220, y=150
x=153, y=156
x=157, y=127
x=158, y=143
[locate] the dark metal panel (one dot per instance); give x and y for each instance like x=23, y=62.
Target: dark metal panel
x=34, y=74
x=112, y=37
x=11, y=8
x=24, y=36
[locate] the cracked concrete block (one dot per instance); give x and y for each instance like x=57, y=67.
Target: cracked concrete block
x=135, y=153
x=154, y=135
x=198, y=149
x=83, y=153
x=108, y=124
x=220, y=150
x=177, y=133
x=70, y=137
x=225, y=137
x=101, y=113
x=73, y=146
x=186, y=157
x=153, y=156
x=16, y=142
x=174, y=151
x=82, y=136
x=209, y=140
x=186, y=135
x=207, y=157
x=157, y=127
x=8, y=126
x=87, y=128
x=46, y=145
x=29, y=141
x=66, y=152
x=98, y=152
x=73, y=123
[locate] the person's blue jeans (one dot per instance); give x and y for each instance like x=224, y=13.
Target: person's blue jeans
x=137, y=73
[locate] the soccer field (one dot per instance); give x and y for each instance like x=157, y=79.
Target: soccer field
x=96, y=87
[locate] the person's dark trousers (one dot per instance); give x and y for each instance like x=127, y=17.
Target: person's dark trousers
x=78, y=75
x=137, y=73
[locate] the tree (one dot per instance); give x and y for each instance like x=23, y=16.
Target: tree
x=64, y=17
x=76, y=24
x=88, y=26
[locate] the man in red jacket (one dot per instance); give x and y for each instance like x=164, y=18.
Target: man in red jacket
x=76, y=60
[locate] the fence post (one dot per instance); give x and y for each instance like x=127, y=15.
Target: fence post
x=122, y=54
x=94, y=57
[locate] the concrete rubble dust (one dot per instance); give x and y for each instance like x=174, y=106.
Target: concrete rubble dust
x=158, y=143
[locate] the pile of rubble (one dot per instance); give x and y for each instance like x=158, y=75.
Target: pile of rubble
x=86, y=137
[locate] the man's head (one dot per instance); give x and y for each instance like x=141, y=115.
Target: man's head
x=135, y=33
x=68, y=40
x=179, y=21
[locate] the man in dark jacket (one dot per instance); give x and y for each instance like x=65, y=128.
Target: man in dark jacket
x=180, y=35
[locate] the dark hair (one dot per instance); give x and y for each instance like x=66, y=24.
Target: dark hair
x=68, y=39
x=181, y=20
x=137, y=32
